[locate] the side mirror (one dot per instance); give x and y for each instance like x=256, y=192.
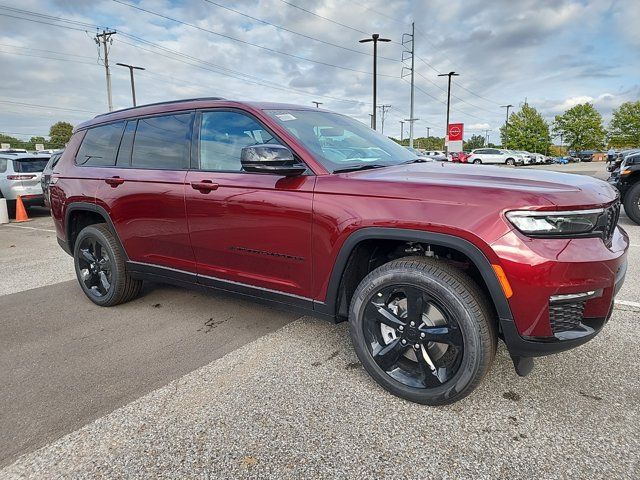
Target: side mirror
x=274, y=159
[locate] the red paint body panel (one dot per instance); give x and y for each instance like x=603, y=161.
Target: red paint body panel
x=253, y=229
x=285, y=234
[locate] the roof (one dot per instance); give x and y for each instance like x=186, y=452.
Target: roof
x=23, y=155
x=186, y=104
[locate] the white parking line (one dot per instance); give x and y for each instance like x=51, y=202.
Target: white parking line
x=627, y=303
x=30, y=228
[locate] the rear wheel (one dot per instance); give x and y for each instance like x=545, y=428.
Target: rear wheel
x=101, y=269
x=422, y=329
x=477, y=161
x=510, y=161
x=632, y=203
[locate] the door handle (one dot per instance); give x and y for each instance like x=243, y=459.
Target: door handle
x=205, y=186
x=114, y=181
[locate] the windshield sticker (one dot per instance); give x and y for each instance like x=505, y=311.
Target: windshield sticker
x=285, y=117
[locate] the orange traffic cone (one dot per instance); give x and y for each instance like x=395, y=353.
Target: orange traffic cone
x=21, y=213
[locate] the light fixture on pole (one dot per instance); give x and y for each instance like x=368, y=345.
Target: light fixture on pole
x=317, y=104
x=446, y=130
x=375, y=38
x=133, y=85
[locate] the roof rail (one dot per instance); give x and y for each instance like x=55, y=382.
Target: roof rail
x=160, y=103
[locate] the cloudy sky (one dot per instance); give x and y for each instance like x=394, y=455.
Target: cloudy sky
x=554, y=53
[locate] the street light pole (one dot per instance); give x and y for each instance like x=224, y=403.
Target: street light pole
x=133, y=85
x=446, y=128
x=317, y=104
x=506, y=124
x=401, y=130
x=375, y=38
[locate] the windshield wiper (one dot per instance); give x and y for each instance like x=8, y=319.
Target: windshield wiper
x=415, y=160
x=354, y=168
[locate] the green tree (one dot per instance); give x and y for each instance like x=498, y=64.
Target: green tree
x=581, y=127
x=60, y=133
x=624, y=128
x=526, y=130
x=476, y=141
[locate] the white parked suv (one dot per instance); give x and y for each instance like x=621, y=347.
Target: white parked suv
x=20, y=174
x=495, y=156
x=436, y=155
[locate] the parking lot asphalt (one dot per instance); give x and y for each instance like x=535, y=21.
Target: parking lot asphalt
x=268, y=396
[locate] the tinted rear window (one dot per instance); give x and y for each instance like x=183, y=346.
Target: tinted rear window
x=30, y=166
x=100, y=145
x=162, y=142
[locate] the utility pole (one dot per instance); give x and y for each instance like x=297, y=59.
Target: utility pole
x=506, y=123
x=317, y=104
x=102, y=39
x=428, y=130
x=375, y=38
x=401, y=130
x=133, y=85
x=486, y=137
x=411, y=53
x=383, y=111
x=446, y=130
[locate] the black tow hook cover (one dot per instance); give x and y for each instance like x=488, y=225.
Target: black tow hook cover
x=523, y=365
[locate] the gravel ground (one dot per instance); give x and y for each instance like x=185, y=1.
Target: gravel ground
x=297, y=404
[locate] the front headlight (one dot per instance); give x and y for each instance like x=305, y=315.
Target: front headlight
x=572, y=222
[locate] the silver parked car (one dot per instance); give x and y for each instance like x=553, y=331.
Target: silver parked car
x=20, y=175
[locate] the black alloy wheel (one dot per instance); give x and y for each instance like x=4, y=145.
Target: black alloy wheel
x=95, y=266
x=423, y=330
x=412, y=336
x=511, y=162
x=477, y=161
x=101, y=268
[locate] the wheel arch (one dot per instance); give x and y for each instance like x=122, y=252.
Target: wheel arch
x=82, y=214
x=331, y=306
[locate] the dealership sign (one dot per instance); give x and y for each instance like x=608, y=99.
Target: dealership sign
x=454, y=137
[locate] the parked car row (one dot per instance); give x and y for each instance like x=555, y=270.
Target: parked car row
x=21, y=175
x=625, y=177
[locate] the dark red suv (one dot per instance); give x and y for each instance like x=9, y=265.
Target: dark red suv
x=429, y=262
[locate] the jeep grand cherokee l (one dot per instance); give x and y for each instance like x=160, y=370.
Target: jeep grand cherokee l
x=430, y=262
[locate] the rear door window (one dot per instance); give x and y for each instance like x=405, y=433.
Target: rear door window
x=162, y=142
x=100, y=146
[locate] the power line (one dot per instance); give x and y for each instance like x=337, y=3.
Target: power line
x=35, y=105
x=279, y=27
x=325, y=18
x=235, y=74
x=21, y=54
x=229, y=37
x=46, y=51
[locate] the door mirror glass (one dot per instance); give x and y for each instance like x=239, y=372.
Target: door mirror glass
x=274, y=159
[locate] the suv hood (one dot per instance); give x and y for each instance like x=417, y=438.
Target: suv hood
x=519, y=187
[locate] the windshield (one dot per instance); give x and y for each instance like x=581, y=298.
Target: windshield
x=339, y=142
x=30, y=166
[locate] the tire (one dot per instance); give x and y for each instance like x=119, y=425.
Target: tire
x=477, y=161
x=11, y=208
x=511, y=162
x=445, y=373
x=632, y=203
x=100, y=267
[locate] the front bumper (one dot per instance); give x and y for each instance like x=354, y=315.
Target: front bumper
x=541, y=270
x=523, y=346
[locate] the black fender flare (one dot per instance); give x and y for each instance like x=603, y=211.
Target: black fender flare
x=382, y=233
x=89, y=207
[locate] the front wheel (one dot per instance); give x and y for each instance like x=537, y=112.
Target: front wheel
x=423, y=330
x=632, y=203
x=100, y=267
x=477, y=161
